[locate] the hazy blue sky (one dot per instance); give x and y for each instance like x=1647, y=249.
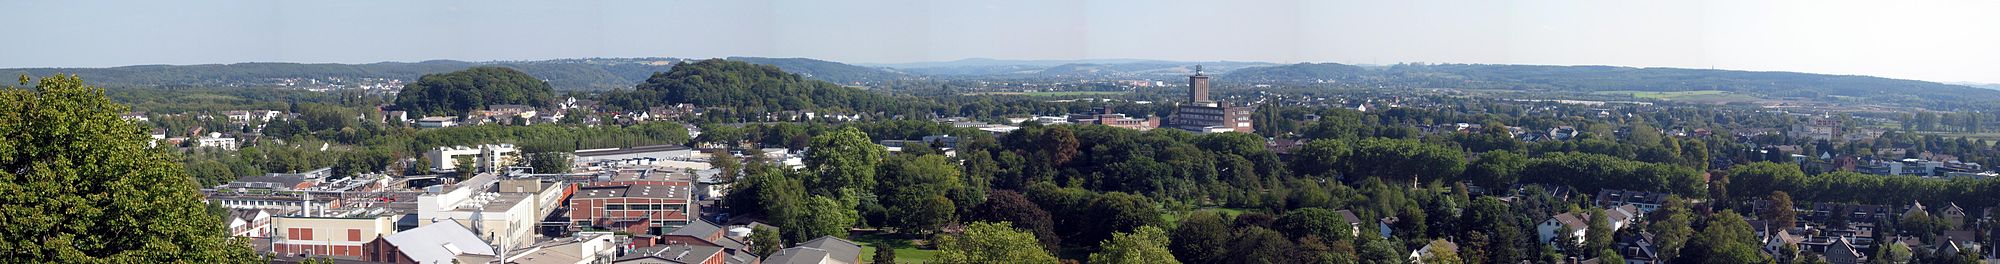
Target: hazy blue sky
x=1927, y=40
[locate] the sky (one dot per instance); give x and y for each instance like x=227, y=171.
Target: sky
x=1945, y=41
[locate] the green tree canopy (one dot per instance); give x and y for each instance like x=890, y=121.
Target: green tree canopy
x=1146, y=245
x=918, y=202
x=843, y=159
x=456, y=93
x=991, y=243
x=78, y=184
x=1203, y=237
x=1403, y=160
x=1326, y=224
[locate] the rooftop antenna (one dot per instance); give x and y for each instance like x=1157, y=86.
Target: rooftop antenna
x=1197, y=69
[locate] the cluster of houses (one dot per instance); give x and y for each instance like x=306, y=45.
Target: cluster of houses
x=630, y=205
x=1839, y=233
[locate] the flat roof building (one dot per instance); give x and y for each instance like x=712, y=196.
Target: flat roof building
x=639, y=201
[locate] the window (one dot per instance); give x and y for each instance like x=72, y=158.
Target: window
x=614, y=207
x=353, y=234
x=299, y=233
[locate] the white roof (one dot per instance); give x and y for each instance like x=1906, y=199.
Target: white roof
x=439, y=242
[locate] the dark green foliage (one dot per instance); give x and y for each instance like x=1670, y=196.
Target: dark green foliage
x=751, y=89
x=764, y=241
x=1496, y=169
x=455, y=93
x=1010, y=206
x=919, y=202
x=550, y=162
x=1320, y=157
x=1727, y=238
x=1493, y=233
x=883, y=254
x=1403, y=161
x=1259, y=245
x=1116, y=212
x=1591, y=172
x=1201, y=238
x=1325, y=224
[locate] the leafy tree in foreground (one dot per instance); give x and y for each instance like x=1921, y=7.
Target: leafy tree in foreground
x=1147, y=245
x=986, y=242
x=764, y=241
x=78, y=184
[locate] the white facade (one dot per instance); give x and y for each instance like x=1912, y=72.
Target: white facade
x=489, y=157
x=436, y=122
x=506, y=219
x=215, y=140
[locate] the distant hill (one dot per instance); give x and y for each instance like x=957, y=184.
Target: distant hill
x=1103, y=68
x=1302, y=72
x=834, y=72
x=456, y=93
x=563, y=74
x=1994, y=86
x=567, y=74
x=1611, y=78
x=752, y=89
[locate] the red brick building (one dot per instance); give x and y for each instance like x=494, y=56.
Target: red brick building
x=634, y=203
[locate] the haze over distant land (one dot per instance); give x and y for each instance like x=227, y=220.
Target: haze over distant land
x=1946, y=41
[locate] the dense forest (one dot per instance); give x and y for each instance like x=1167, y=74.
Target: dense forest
x=753, y=89
x=455, y=93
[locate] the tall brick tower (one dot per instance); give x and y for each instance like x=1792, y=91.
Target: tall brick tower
x=1198, y=88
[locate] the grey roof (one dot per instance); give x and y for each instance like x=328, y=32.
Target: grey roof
x=439, y=242
x=245, y=214
x=797, y=256
x=697, y=228
x=840, y=249
x=671, y=254
x=824, y=249
x=1349, y=216
x=1574, y=221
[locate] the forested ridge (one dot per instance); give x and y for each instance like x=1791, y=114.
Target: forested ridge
x=459, y=92
x=750, y=89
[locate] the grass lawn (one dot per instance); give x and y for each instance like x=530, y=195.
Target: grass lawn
x=1173, y=217
x=906, y=250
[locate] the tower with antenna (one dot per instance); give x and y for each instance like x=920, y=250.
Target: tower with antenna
x=1198, y=88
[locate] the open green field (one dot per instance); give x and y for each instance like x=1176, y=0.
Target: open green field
x=1174, y=217
x=1712, y=96
x=906, y=250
